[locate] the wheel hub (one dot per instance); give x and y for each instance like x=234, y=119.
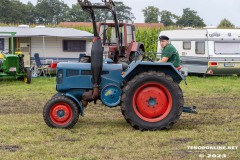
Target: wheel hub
x=151, y=101
x=61, y=113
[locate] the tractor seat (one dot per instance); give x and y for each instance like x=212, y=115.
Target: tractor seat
x=179, y=68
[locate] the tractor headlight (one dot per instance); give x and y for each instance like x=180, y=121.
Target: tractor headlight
x=59, y=76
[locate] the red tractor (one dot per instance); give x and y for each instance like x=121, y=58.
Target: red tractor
x=118, y=38
x=127, y=41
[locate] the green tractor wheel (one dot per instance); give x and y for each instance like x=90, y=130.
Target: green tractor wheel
x=28, y=76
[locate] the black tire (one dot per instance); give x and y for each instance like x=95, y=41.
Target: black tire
x=56, y=95
x=60, y=112
x=152, y=101
x=28, y=77
x=21, y=64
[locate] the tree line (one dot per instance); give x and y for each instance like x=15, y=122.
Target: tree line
x=189, y=18
x=56, y=11
x=53, y=12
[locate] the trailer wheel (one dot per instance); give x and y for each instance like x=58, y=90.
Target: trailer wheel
x=28, y=77
x=151, y=101
x=60, y=112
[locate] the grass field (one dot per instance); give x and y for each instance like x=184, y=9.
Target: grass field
x=103, y=133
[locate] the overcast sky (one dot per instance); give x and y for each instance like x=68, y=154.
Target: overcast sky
x=211, y=11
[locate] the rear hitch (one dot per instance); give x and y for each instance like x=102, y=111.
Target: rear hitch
x=192, y=109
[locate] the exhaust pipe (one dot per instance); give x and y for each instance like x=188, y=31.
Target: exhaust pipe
x=96, y=65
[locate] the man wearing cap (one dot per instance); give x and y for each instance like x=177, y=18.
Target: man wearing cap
x=169, y=52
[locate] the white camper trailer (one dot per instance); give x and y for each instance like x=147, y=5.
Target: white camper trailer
x=207, y=51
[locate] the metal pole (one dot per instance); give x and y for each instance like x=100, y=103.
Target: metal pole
x=12, y=44
x=43, y=47
x=12, y=41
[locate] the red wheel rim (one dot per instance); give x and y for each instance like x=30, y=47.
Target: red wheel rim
x=61, y=113
x=152, y=102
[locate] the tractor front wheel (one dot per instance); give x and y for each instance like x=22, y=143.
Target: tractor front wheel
x=60, y=112
x=152, y=101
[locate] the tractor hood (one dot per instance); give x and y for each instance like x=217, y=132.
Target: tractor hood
x=79, y=75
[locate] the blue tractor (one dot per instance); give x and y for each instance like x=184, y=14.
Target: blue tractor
x=147, y=92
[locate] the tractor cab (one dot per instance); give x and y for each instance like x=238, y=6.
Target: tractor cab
x=117, y=38
x=107, y=33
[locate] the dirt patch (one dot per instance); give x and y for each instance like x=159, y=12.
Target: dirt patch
x=102, y=147
x=183, y=153
x=216, y=143
x=10, y=148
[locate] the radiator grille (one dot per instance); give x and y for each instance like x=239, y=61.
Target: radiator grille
x=71, y=72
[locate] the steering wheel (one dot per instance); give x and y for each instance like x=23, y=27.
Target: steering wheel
x=141, y=53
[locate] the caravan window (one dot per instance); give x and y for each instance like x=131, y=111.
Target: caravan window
x=74, y=45
x=200, y=47
x=186, y=45
x=227, y=48
x=1, y=44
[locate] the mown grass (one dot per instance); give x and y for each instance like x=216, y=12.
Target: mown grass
x=103, y=133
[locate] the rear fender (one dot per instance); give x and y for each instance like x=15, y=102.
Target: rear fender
x=143, y=66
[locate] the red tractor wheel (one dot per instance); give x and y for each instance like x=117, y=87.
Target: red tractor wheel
x=60, y=112
x=152, y=101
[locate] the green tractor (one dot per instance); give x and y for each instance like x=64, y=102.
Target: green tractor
x=12, y=64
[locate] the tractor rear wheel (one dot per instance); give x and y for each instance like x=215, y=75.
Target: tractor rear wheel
x=60, y=112
x=152, y=101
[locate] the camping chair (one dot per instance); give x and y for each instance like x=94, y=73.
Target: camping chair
x=42, y=68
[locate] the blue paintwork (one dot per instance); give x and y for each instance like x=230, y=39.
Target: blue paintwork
x=61, y=113
x=112, y=79
x=167, y=68
x=111, y=95
x=84, y=81
x=77, y=101
x=192, y=109
x=152, y=102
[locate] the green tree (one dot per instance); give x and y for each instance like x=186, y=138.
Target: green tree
x=12, y=11
x=76, y=14
x=29, y=12
x=51, y=11
x=151, y=14
x=5, y=6
x=168, y=18
x=124, y=12
x=190, y=19
x=225, y=24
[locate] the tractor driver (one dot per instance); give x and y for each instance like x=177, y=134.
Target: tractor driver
x=169, y=52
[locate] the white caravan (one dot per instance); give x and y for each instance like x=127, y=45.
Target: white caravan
x=207, y=51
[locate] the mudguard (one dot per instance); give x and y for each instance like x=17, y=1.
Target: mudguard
x=77, y=101
x=137, y=67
